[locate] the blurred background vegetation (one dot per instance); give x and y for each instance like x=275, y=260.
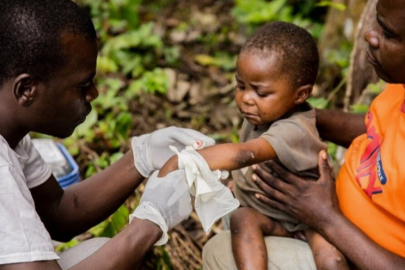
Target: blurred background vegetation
x=172, y=62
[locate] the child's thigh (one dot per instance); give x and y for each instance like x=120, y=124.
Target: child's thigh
x=326, y=256
x=248, y=219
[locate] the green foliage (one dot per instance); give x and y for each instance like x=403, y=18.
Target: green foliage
x=113, y=15
x=319, y=103
x=372, y=89
x=341, y=56
x=155, y=81
x=332, y=4
x=164, y=262
x=220, y=59
x=113, y=225
x=257, y=12
x=253, y=13
x=64, y=246
x=332, y=149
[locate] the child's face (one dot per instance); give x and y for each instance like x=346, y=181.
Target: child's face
x=263, y=93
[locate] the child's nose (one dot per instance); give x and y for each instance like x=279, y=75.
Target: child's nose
x=248, y=98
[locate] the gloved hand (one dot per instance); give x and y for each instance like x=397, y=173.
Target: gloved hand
x=166, y=202
x=151, y=151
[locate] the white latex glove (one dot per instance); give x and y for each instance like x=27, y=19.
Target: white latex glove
x=166, y=202
x=151, y=151
x=213, y=200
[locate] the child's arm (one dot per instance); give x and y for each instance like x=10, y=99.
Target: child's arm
x=229, y=156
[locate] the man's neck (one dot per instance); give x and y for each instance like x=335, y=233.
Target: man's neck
x=12, y=136
x=10, y=128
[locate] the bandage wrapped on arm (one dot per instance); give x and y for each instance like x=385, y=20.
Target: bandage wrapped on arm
x=212, y=199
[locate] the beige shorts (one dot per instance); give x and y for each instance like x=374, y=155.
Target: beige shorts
x=283, y=253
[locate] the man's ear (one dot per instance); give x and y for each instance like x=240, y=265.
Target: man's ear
x=24, y=89
x=302, y=93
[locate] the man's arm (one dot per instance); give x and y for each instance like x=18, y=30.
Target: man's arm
x=125, y=251
x=339, y=127
x=315, y=203
x=230, y=156
x=67, y=213
x=81, y=206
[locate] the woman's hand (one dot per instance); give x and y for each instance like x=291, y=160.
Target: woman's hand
x=312, y=202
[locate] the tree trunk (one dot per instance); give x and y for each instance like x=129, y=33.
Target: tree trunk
x=361, y=72
x=339, y=26
x=338, y=34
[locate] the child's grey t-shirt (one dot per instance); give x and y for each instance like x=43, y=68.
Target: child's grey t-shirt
x=297, y=144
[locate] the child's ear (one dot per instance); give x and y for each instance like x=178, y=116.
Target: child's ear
x=24, y=89
x=302, y=93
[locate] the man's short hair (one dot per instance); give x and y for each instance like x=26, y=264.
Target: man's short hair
x=30, y=35
x=296, y=47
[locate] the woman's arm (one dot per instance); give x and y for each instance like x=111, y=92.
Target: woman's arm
x=339, y=127
x=315, y=203
x=230, y=156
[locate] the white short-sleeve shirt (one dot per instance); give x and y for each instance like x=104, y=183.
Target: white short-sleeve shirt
x=23, y=237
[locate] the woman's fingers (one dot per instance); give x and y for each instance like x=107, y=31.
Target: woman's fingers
x=270, y=202
x=261, y=172
x=275, y=189
x=325, y=170
x=283, y=173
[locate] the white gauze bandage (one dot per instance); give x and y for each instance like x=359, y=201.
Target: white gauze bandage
x=213, y=200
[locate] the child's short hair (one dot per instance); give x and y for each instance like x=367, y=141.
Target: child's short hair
x=30, y=35
x=300, y=57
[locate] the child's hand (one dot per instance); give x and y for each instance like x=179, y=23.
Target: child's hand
x=171, y=165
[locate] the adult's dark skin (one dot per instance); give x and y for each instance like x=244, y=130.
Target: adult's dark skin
x=56, y=108
x=339, y=127
x=315, y=202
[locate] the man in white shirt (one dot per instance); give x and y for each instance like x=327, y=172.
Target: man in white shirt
x=48, y=53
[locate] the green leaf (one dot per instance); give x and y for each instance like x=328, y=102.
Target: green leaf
x=65, y=246
x=115, y=157
x=106, y=65
x=332, y=4
x=332, y=148
x=221, y=60
x=151, y=82
x=124, y=123
x=359, y=108
x=260, y=11
x=86, y=128
x=319, y=103
x=113, y=225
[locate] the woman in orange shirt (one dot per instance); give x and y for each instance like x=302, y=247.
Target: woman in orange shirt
x=363, y=215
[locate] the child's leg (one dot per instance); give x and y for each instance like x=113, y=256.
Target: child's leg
x=326, y=256
x=248, y=226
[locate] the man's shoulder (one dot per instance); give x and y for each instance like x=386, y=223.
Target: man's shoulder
x=5, y=154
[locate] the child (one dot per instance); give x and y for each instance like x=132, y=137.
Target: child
x=276, y=70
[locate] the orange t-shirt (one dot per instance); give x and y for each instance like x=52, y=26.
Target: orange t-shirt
x=371, y=183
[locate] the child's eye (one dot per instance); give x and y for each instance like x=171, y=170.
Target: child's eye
x=240, y=87
x=262, y=94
